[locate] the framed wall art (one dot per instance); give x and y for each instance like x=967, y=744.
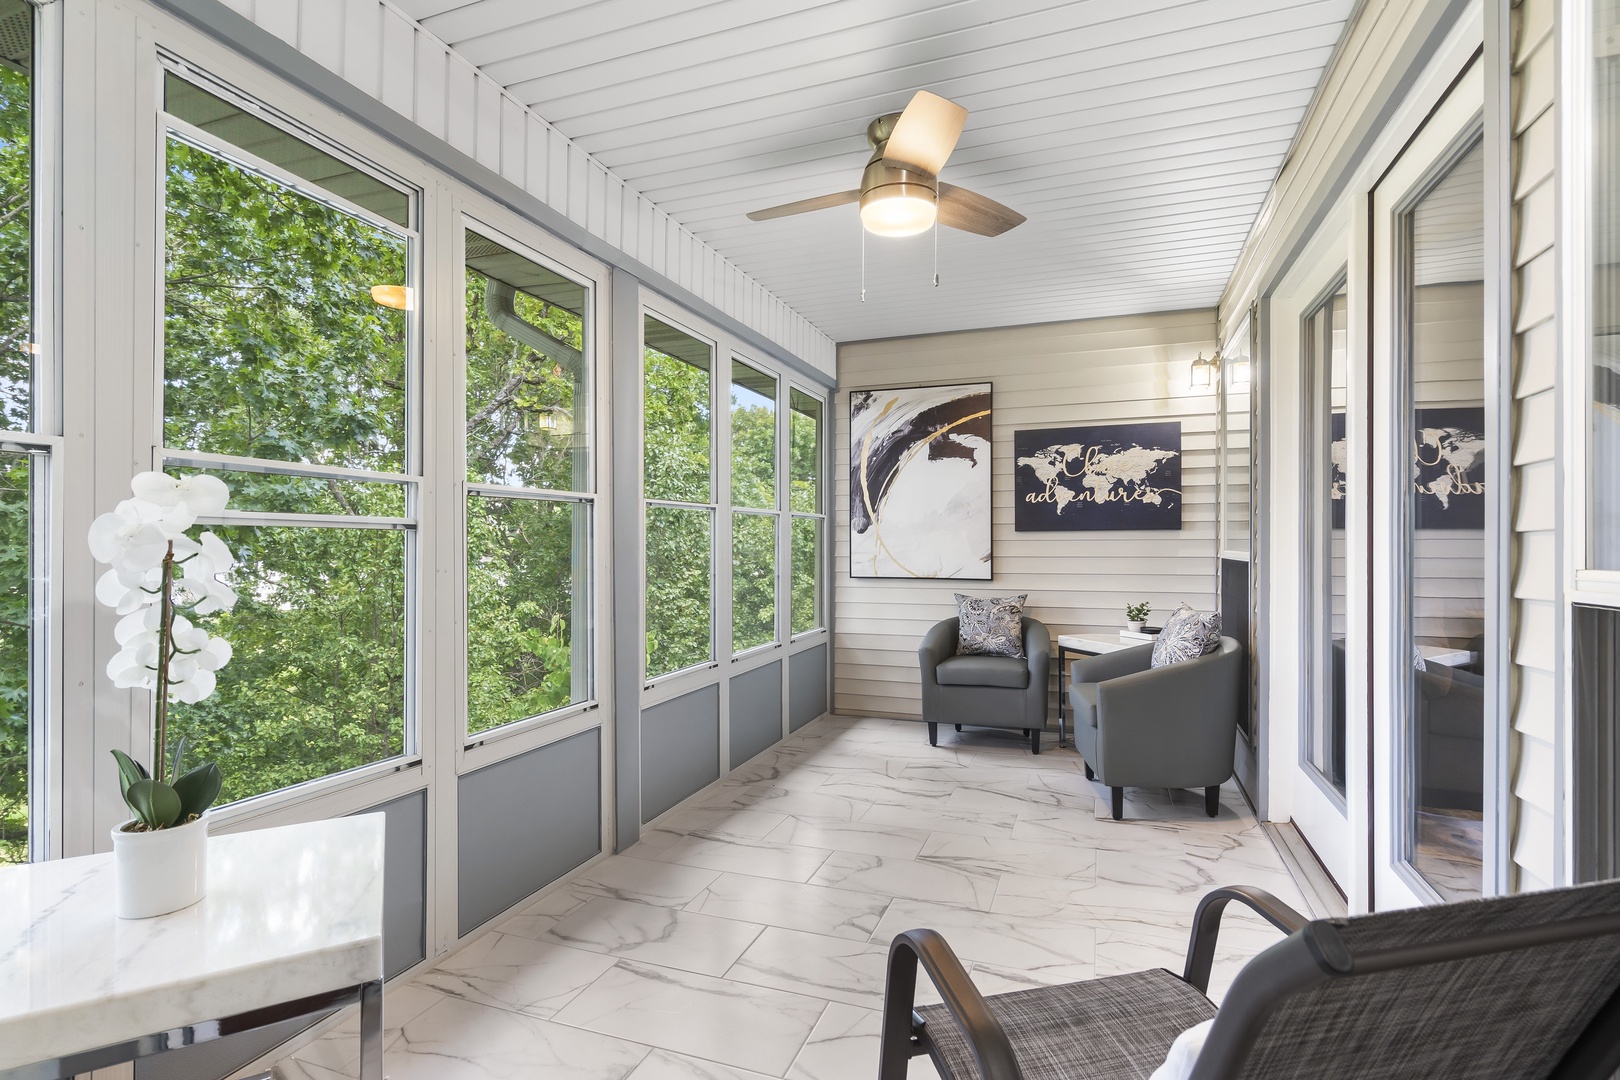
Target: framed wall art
x=1106, y=476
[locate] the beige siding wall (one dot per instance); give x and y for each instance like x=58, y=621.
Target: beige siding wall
x=1127, y=369
x=382, y=52
x=1534, y=613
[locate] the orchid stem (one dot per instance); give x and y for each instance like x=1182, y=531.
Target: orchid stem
x=160, y=722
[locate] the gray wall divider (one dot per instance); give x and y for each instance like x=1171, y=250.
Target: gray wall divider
x=525, y=822
x=807, y=686
x=680, y=740
x=756, y=711
x=629, y=646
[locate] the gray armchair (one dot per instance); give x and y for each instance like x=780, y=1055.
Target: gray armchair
x=1171, y=727
x=985, y=691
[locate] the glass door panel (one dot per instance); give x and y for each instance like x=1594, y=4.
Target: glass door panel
x=1325, y=742
x=1443, y=529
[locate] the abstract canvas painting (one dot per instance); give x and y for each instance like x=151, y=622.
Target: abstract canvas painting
x=1110, y=476
x=919, y=482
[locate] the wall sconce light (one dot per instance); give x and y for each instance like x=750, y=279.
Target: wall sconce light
x=1203, y=371
x=1240, y=375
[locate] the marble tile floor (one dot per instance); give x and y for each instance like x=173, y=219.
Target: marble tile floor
x=744, y=937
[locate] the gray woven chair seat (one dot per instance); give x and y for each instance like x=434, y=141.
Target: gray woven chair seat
x=1116, y=1028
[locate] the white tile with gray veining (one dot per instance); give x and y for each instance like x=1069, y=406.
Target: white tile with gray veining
x=745, y=936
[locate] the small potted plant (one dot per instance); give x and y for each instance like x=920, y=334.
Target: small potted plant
x=1136, y=615
x=158, y=571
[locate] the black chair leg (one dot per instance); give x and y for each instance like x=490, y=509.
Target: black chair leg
x=1089, y=774
x=1034, y=740
x=958, y=727
x=1119, y=803
x=1212, y=801
x=933, y=733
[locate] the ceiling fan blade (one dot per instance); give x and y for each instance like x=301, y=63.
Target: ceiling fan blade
x=971, y=212
x=926, y=133
x=804, y=206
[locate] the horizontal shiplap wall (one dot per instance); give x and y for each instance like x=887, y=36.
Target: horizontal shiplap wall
x=1535, y=605
x=1129, y=369
x=387, y=55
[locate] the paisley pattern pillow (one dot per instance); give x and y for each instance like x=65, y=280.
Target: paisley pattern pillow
x=1187, y=635
x=990, y=625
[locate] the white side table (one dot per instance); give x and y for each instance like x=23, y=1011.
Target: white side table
x=291, y=927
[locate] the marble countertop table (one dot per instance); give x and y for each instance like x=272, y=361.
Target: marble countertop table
x=291, y=926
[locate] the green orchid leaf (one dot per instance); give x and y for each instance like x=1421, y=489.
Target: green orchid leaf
x=129, y=771
x=198, y=789
x=174, y=769
x=155, y=804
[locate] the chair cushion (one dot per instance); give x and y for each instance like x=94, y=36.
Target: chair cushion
x=1102, y=1029
x=982, y=671
x=1187, y=635
x=990, y=625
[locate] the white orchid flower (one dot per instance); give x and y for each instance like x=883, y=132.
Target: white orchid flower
x=202, y=494
x=115, y=594
x=193, y=689
x=131, y=537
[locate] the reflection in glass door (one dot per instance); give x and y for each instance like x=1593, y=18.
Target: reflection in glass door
x=1441, y=545
x=1324, y=744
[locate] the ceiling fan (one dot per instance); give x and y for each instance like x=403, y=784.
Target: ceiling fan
x=901, y=193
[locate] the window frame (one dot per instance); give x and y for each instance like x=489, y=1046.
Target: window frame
x=594, y=319
x=167, y=125
x=824, y=483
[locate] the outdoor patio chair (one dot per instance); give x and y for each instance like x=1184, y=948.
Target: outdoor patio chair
x=1509, y=988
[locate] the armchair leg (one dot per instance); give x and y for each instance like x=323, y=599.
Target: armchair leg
x=958, y=727
x=1212, y=801
x=1035, y=740
x=1119, y=803
x=933, y=733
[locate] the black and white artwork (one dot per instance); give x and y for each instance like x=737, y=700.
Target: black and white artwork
x=1448, y=468
x=1114, y=476
x=919, y=482
x=1336, y=466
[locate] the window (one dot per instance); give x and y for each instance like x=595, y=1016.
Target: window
x=753, y=507
x=805, y=502
x=529, y=483
x=1442, y=541
x=678, y=483
x=1324, y=360
x=24, y=451
x=1603, y=500
x=288, y=346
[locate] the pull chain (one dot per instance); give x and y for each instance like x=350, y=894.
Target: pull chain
x=863, y=264
x=936, y=239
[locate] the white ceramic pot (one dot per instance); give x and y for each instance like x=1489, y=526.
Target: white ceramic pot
x=159, y=872
x=1135, y=626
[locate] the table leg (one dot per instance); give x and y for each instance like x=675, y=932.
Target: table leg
x=371, y=1031
x=1062, y=665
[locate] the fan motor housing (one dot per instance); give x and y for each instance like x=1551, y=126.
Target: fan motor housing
x=886, y=180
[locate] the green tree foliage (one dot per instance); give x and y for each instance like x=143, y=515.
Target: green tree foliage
x=676, y=463
x=274, y=349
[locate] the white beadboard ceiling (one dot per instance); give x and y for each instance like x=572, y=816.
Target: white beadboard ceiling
x=1139, y=138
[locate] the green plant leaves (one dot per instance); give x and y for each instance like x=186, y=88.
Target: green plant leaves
x=129, y=771
x=155, y=804
x=198, y=789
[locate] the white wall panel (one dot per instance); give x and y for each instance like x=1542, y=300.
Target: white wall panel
x=1126, y=369
x=378, y=47
x=1534, y=609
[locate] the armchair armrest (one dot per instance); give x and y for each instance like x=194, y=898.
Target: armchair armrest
x=937, y=645
x=1037, y=651
x=991, y=1048
x=1114, y=665
x=1207, y=926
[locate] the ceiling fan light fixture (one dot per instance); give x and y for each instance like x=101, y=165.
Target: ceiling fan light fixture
x=898, y=210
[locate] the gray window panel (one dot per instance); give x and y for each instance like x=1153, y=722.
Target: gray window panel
x=756, y=712
x=680, y=749
x=807, y=686
x=525, y=822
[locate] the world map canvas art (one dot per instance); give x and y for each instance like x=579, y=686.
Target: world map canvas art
x=1448, y=468
x=1115, y=476
x=919, y=482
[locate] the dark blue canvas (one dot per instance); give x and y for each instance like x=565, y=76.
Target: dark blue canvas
x=1106, y=476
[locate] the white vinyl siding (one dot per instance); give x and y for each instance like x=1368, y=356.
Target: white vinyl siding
x=1534, y=611
x=1122, y=370
x=387, y=55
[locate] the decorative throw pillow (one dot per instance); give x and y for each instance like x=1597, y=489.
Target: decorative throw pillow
x=1187, y=635
x=1178, y=1064
x=990, y=625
